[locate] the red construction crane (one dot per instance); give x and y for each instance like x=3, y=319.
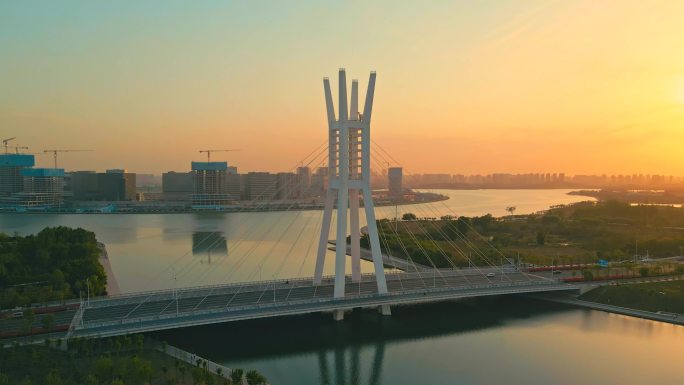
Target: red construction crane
x=210, y=151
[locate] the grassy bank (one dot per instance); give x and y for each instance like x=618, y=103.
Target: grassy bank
x=579, y=233
x=655, y=296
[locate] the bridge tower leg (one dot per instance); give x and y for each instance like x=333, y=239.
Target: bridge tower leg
x=349, y=177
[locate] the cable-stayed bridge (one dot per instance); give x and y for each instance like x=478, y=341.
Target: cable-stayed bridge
x=170, y=309
x=349, y=159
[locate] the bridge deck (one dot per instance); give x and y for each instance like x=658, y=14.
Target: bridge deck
x=196, y=306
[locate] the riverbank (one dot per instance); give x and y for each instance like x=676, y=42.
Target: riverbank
x=673, y=318
x=112, y=285
x=647, y=197
x=655, y=297
x=124, y=360
x=154, y=207
x=658, y=299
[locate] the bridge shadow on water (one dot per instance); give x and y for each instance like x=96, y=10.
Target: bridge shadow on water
x=337, y=345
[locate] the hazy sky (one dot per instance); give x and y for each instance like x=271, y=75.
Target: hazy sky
x=463, y=86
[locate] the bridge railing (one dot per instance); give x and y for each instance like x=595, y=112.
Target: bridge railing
x=172, y=294
x=390, y=275
x=330, y=301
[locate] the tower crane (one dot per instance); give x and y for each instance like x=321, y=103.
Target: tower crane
x=5, y=141
x=17, y=148
x=210, y=151
x=54, y=153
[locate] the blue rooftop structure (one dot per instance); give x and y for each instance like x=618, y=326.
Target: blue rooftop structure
x=17, y=160
x=43, y=172
x=209, y=166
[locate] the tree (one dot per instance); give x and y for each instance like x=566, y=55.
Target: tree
x=236, y=376
x=139, y=341
x=255, y=378
x=540, y=238
x=48, y=322
x=53, y=378
x=644, y=271
x=510, y=209
x=103, y=368
x=27, y=325
x=408, y=217
x=91, y=380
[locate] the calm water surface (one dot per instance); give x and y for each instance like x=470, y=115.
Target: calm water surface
x=503, y=340
x=146, y=250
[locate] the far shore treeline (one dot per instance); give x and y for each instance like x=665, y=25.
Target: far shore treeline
x=52, y=265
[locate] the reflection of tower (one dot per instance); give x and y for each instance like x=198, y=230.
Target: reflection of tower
x=209, y=242
x=349, y=174
x=354, y=375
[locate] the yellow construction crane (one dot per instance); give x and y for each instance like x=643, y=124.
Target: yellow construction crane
x=210, y=151
x=54, y=153
x=5, y=141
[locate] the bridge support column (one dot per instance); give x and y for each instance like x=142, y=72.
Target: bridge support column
x=385, y=310
x=338, y=315
x=349, y=150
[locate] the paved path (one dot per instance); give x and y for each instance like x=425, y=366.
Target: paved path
x=672, y=318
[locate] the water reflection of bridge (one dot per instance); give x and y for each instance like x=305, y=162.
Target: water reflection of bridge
x=352, y=352
x=352, y=373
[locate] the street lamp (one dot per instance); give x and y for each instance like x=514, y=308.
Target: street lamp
x=175, y=292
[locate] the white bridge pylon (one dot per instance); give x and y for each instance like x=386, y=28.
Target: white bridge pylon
x=348, y=175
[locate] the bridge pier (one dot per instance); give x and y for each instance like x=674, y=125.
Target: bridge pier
x=338, y=315
x=385, y=310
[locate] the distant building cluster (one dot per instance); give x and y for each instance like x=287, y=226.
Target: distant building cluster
x=24, y=186
x=540, y=180
x=216, y=185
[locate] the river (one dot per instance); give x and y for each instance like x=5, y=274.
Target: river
x=487, y=341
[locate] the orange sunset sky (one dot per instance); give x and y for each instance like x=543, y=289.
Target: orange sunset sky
x=463, y=86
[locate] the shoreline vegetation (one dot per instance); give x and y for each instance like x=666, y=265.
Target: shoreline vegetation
x=631, y=240
x=657, y=297
x=123, y=360
x=56, y=264
x=642, y=197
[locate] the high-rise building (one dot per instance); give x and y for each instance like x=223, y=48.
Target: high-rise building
x=304, y=181
x=11, y=165
x=209, y=185
x=287, y=185
x=233, y=184
x=42, y=188
x=177, y=185
x=319, y=181
x=116, y=185
x=394, y=176
x=83, y=185
x=261, y=186
x=112, y=185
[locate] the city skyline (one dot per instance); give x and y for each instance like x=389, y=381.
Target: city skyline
x=586, y=88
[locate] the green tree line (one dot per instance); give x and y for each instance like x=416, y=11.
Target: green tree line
x=54, y=264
